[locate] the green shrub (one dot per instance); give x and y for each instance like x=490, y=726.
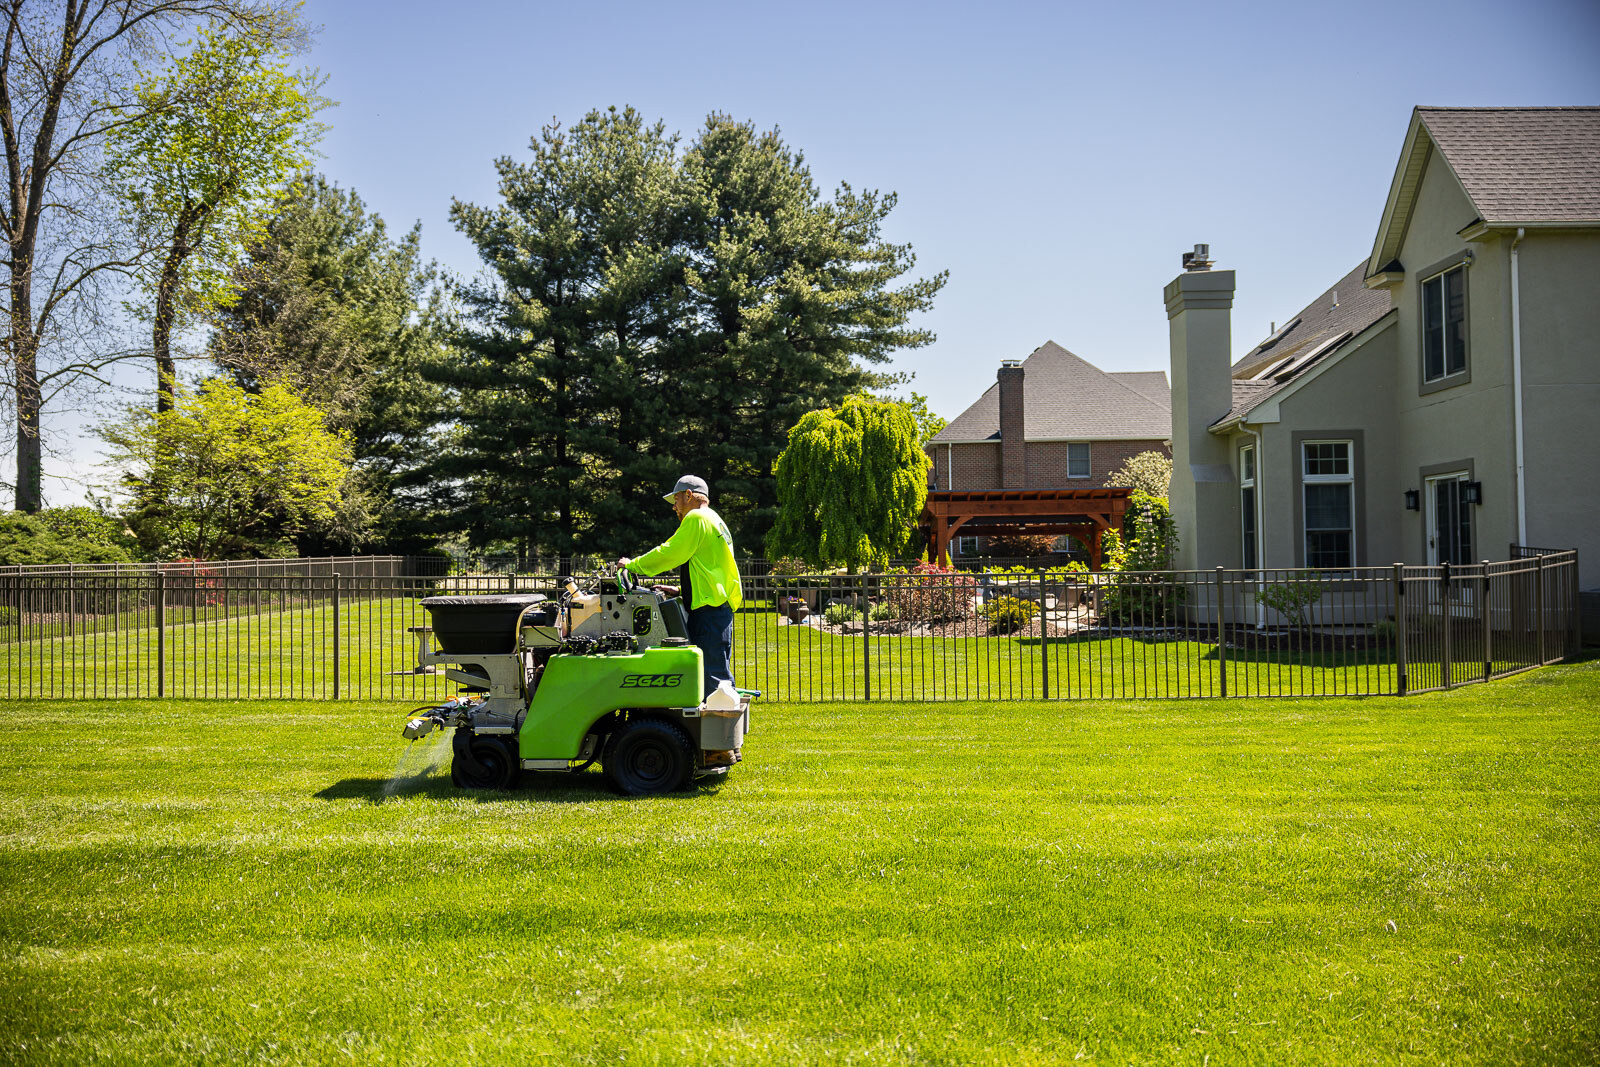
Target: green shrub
x=1293, y=599
x=1384, y=629
x=29, y=540
x=1007, y=614
x=884, y=612
x=838, y=614
x=8, y=616
x=1138, y=593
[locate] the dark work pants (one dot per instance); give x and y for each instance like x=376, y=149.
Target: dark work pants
x=711, y=628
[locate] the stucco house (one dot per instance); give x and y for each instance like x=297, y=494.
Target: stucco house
x=1038, y=448
x=1441, y=401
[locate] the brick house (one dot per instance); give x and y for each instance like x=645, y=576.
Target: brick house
x=1051, y=428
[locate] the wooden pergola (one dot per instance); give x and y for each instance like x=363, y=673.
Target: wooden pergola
x=1083, y=513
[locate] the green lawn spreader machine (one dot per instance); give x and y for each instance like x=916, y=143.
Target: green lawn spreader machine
x=555, y=681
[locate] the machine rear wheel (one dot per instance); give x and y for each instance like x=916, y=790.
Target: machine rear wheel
x=484, y=762
x=648, y=756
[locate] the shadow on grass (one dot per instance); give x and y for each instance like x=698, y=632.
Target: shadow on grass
x=531, y=787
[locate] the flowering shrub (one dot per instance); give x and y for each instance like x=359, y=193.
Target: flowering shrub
x=189, y=582
x=931, y=593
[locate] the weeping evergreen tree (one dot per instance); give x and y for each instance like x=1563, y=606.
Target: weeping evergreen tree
x=850, y=484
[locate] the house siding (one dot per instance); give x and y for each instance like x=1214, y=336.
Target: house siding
x=1471, y=421
x=1410, y=429
x=1357, y=392
x=1561, y=395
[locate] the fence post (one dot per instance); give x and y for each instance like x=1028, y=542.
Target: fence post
x=1488, y=645
x=1222, y=639
x=336, y=635
x=161, y=634
x=1400, y=628
x=72, y=601
x=1538, y=600
x=1044, y=645
x=1448, y=621
x=866, y=640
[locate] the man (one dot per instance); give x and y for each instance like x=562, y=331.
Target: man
x=708, y=577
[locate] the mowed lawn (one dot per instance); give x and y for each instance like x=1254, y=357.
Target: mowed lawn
x=1270, y=881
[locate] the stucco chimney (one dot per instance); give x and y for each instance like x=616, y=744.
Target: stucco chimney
x=1203, y=495
x=1013, y=450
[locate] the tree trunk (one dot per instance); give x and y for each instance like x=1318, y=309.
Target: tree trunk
x=30, y=466
x=167, y=310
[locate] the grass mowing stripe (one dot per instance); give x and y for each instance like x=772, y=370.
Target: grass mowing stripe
x=950, y=883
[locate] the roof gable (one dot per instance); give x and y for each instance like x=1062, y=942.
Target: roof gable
x=1515, y=165
x=1067, y=397
x=1321, y=331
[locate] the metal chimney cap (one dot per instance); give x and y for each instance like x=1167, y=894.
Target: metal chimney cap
x=1199, y=259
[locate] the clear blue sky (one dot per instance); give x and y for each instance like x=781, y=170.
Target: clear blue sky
x=1055, y=158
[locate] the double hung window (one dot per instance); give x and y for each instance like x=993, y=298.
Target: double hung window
x=1078, y=460
x=1328, y=482
x=1247, y=504
x=1444, y=324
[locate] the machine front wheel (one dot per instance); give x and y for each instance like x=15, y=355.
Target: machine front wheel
x=483, y=762
x=648, y=756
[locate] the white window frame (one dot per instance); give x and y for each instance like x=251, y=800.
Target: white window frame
x=966, y=546
x=1444, y=326
x=1247, y=480
x=1307, y=480
x=1088, y=460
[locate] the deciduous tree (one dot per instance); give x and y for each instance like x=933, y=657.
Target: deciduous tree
x=202, y=157
x=1148, y=472
x=66, y=76
x=228, y=473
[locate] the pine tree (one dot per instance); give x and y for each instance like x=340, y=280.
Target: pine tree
x=649, y=312
x=794, y=301
x=558, y=363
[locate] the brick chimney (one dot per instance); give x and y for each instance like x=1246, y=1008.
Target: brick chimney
x=1203, y=497
x=1013, y=450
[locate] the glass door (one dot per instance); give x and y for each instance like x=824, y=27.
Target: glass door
x=1450, y=520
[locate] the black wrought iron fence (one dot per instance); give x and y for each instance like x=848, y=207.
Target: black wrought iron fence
x=203, y=631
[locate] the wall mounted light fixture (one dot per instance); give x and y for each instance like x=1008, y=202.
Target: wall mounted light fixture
x=1472, y=492
x=1413, y=500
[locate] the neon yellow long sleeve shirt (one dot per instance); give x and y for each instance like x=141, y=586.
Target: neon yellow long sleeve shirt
x=702, y=540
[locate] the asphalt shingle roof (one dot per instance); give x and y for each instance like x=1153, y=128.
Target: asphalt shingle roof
x=1523, y=164
x=1065, y=396
x=1318, y=323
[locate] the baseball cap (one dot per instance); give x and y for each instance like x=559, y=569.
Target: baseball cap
x=690, y=484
